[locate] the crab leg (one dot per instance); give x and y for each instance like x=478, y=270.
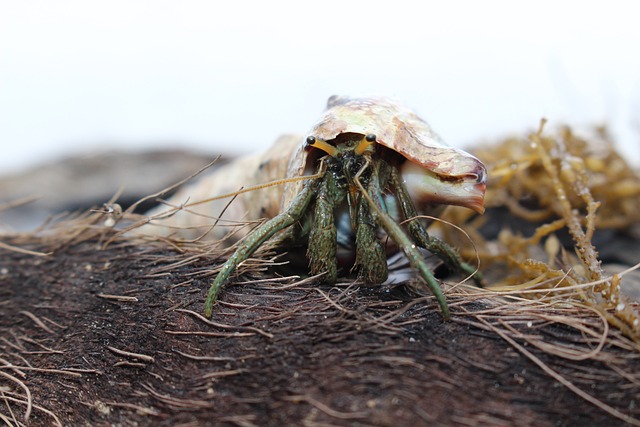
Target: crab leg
x=414, y=257
x=420, y=235
x=322, y=238
x=371, y=259
x=293, y=213
x=406, y=245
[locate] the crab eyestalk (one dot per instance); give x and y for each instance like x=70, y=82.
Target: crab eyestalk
x=365, y=144
x=321, y=145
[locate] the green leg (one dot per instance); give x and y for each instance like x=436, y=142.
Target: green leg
x=396, y=233
x=322, y=240
x=295, y=211
x=370, y=257
x=419, y=233
x=321, y=250
x=413, y=255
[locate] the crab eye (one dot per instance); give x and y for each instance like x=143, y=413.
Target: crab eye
x=370, y=138
x=310, y=140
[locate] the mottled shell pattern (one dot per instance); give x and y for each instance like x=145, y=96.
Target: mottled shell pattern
x=435, y=172
x=197, y=220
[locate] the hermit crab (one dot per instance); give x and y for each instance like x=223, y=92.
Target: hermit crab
x=357, y=179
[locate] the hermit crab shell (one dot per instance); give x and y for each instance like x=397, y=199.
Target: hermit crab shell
x=450, y=175
x=221, y=219
x=435, y=174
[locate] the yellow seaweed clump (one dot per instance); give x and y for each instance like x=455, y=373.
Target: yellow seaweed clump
x=542, y=190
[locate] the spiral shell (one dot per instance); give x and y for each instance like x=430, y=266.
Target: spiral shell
x=434, y=173
x=196, y=220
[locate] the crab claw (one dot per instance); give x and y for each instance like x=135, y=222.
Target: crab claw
x=425, y=187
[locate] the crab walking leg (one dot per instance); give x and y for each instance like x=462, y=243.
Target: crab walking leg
x=419, y=233
x=415, y=257
x=323, y=236
x=293, y=213
x=411, y=252
x=370, y=257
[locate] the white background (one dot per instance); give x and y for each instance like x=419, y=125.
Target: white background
x=81, y=76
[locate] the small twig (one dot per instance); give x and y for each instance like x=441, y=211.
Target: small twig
x=118, y=297
x=38, y=407
x=42, y=346
x=212, y=334
x=19, y=202
x=176, y=402
x=27, y=392
x=56, y=324
x=240, y=420
x=139, y=356
x=22, y=251
x=220, y=374
x=224, y=326
x=45, y=370
x=37, y=321
x=171, y=187
x=130, y=364
x=326, y=409
x=206, y=358
x=11, y=366
x=18, y=346
x=84, y=371
x=140, y=409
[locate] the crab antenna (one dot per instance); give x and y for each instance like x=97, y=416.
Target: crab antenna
x=363, y=145
x=314, y=142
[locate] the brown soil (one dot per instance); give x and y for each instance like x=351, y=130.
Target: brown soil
x=114, y=337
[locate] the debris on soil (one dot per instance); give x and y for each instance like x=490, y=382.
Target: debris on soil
x=97, y=327
x=78, y=183
x=116, y=336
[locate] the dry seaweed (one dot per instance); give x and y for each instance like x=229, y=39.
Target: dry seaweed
x=553, y=184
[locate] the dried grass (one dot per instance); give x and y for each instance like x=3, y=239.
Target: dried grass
x=568, y=184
